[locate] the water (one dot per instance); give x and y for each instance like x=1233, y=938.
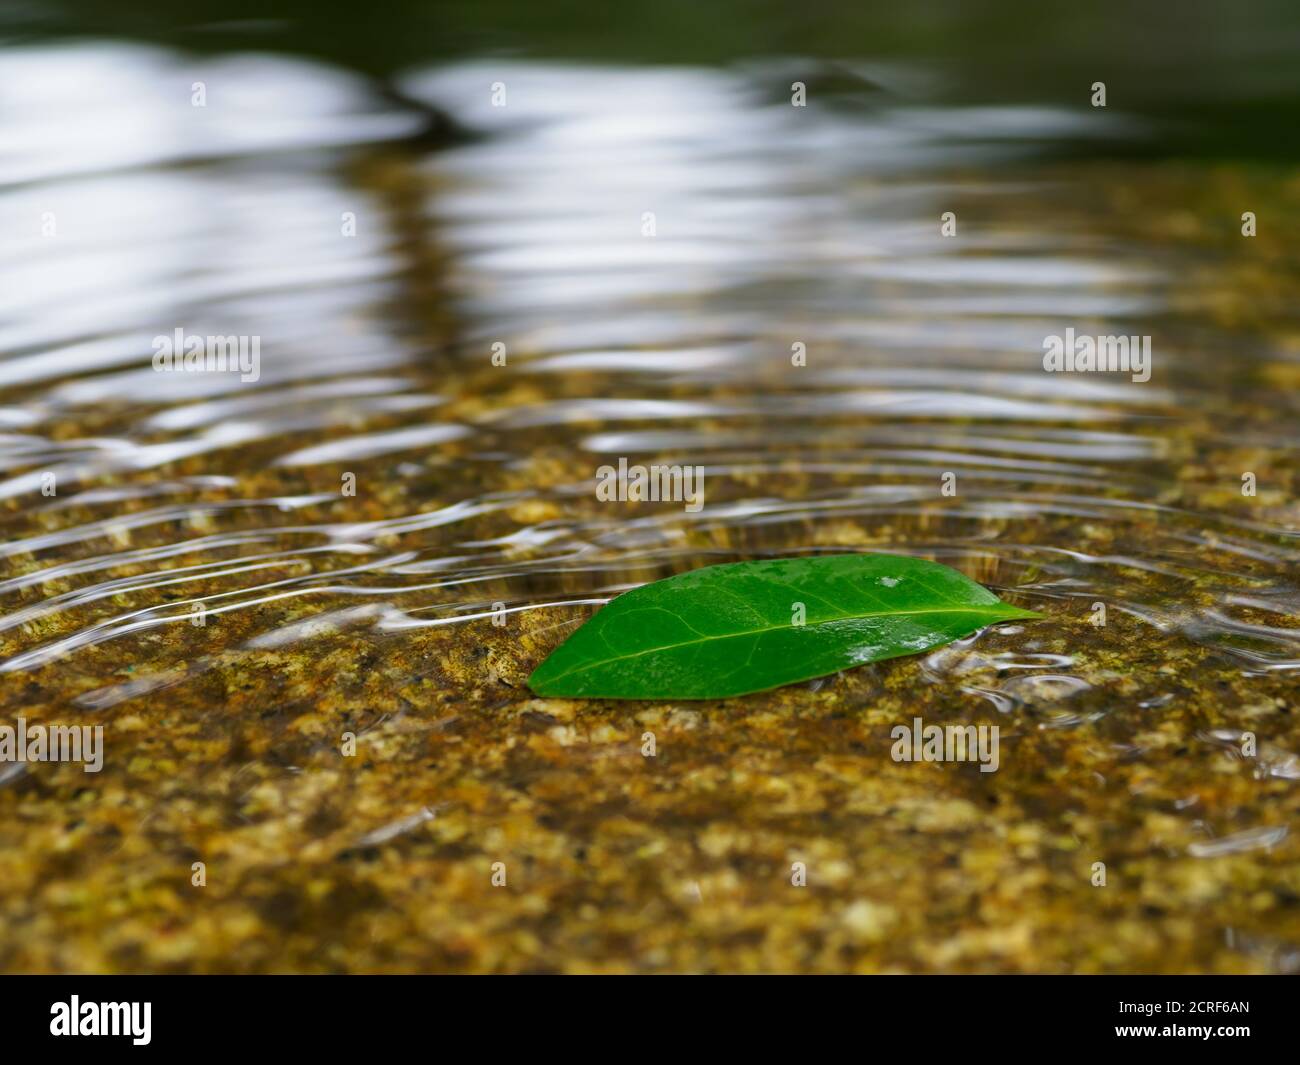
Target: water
x=650, y=245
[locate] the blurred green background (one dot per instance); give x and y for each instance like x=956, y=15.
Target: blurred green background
x=1219, y=78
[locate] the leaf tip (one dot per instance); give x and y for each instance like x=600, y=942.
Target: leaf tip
x=1018, y=613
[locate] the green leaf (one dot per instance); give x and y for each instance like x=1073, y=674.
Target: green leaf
x=731, y=630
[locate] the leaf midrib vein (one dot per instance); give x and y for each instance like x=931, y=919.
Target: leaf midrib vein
x=759, y=632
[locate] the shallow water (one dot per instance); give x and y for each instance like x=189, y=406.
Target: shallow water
x=202, y=580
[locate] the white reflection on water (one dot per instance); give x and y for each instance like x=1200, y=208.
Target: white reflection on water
x=772, y=224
